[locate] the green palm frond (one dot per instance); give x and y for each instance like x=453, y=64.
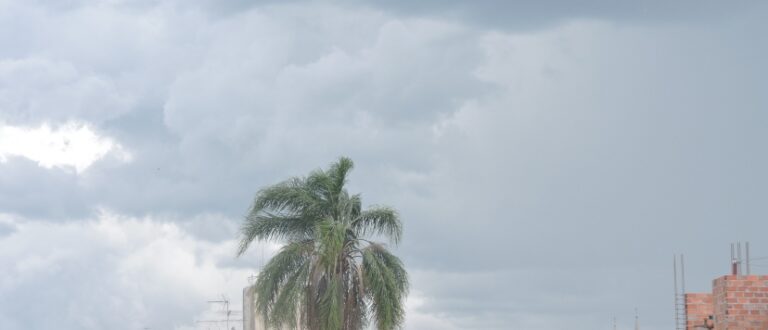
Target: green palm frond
x=291, y=196
x=386, y=282
x=291, y=259
x=379, y=221
x=331, y=303
x=331, y=239
x=327, y=276
x=285, y=308
x=338, y=174
x=267, y=226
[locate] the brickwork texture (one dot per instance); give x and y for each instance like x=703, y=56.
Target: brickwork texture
x=737, y=302
x=741, y=302
x=698, y=308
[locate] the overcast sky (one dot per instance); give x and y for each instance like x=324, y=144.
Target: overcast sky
x=547, y=158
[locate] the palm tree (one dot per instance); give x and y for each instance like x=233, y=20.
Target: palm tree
x=327, y=276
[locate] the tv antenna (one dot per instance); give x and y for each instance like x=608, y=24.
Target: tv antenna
x=227, y=316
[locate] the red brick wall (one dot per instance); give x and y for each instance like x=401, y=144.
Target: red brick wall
x=741, y=302
x=698, y=308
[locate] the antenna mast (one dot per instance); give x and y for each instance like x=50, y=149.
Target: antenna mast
x=737, y=262
x=637, y=320
x=681, y=317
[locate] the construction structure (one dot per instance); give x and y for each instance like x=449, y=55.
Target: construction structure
x=251, y=319
x=738, y=301
x=249, y=308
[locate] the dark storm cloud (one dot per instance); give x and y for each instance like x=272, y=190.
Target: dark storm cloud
x=626, y=162
x=501, y=14
x=222, y=123
x=55, y=195
x=529, y=15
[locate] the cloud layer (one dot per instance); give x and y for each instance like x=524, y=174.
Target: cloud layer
x=110, y=272
x=546, y=166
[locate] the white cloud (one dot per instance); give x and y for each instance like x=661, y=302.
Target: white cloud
x=418, y=319
x=113, y=272
x=72, y=144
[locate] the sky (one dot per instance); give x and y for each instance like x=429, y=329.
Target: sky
x=547, y=158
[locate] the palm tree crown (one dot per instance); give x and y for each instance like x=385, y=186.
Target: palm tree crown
x=326, y=276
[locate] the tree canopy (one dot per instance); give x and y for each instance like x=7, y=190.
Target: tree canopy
x=328, y=275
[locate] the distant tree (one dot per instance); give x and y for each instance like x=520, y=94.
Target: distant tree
x=327, y=276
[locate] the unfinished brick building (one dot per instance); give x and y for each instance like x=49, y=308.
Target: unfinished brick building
x=737, y=302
